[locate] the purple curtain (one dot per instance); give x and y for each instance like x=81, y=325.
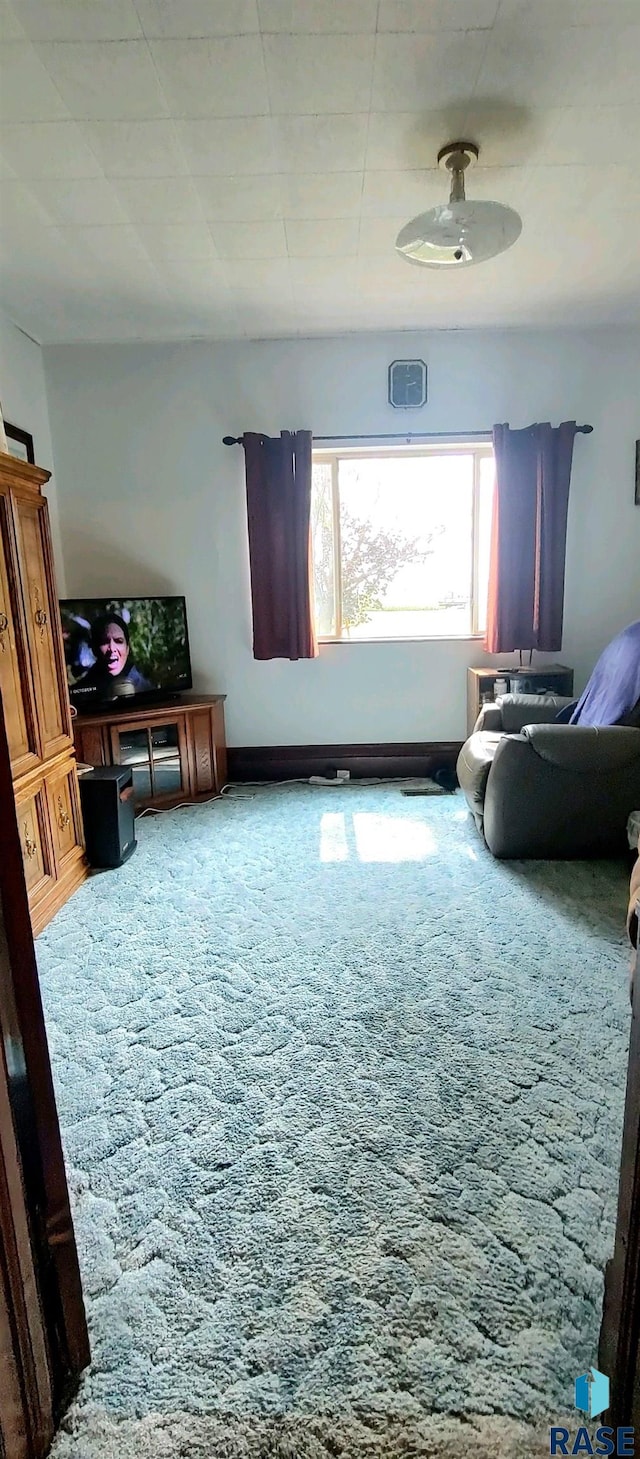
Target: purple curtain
x=528, y=537
x=278, y=476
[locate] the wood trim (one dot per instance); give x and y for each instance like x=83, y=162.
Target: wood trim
x=16, y=473
x=130, y=710
x=387, y=761
x=39, y=1135
x=9, y=547
x=72, y=877
x=18, y=1281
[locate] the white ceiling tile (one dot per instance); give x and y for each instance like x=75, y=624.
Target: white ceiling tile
x=269, y=318
x=330, y=143
x=249, y=240
x=88, y=200
x=423, y=15
x=21, y=213
x=552, y=189
x=159, y=199
x=538, y=67
x=328, y=238
x=194, y=278
x=136, y=149
x=324, y=275
x=378, y=236
x=116, y=249
x=111, y=80
x=197, y=283
x=322, y=73
x=10, y=27
x=592, y=134
x=27, y=93
x=608, y=68
x=222, y=146
x=393, y=278
x=177, y=241
x=223, y=77
x=47, y=149
x=198, y=164
x=614, y=202
x=79, y=20
x=508, y=185
x=401, y=140
x=240, y=199
x=554, y=13
x=251, y=278
x=322, y=195
x=317, y=16
x=508, y=135
x=422, y=72
x=386, y=194
x=188, y=19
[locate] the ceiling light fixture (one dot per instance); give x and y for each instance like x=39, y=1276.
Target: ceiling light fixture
x=460, y=232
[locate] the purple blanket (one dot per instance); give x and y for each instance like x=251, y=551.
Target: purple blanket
x=613, y=691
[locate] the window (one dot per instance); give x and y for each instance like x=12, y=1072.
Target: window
x=400, y=541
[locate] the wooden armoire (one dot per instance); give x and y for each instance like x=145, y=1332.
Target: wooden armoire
x=43, y=1332
x=34, y=694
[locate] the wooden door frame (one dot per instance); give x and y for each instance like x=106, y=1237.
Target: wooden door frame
x=26, y=1412
x=619, y=1349
x=34, y=1114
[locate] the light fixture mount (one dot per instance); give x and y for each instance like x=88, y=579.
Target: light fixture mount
x=460, y=232
x=458, y=156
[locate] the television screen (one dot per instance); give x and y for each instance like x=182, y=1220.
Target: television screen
x=120, y=647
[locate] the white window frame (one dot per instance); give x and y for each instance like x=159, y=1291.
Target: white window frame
x=479, y=448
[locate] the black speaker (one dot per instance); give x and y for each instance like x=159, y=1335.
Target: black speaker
x=106, y=796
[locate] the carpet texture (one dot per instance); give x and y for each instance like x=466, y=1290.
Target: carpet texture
x=341, y=1099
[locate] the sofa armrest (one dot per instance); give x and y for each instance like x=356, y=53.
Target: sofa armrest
x=511, y=712
x=584, y=749
x=489, y=719
x=562, y=790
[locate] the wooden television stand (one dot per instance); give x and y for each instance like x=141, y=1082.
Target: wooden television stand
x=175, y=747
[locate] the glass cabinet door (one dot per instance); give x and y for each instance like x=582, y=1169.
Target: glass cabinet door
x=166, y=769
x=134, y=753
x=154, y=755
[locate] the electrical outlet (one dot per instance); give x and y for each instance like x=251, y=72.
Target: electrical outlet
x=343, y=774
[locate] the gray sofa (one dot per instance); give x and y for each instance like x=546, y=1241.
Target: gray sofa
x=537, y=788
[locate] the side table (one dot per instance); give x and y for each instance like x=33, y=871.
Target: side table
x=543, y=679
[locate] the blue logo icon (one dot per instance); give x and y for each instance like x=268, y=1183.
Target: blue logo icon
x=592, y=1393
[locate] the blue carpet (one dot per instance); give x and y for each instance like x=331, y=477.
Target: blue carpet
x=341, y=1098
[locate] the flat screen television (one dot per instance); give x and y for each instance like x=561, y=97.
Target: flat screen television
x=124, y=648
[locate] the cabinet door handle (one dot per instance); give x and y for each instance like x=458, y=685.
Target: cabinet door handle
x=38, y=612
x=29, y=845
x=63, y=815
x=4, y=624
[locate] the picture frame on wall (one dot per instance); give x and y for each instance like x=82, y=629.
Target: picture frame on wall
x=637, y=495
x=19, y=443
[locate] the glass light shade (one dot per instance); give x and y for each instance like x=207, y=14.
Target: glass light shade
x=457, y=234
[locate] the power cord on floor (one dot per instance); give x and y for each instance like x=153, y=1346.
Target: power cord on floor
x=406, y=784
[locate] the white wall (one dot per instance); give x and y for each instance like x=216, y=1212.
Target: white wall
x=151, y=501
x=24, y=403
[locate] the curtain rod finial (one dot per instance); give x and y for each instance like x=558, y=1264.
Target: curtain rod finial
x=232, y=440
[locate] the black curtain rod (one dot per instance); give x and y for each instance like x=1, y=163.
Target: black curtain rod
x=402, y=436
